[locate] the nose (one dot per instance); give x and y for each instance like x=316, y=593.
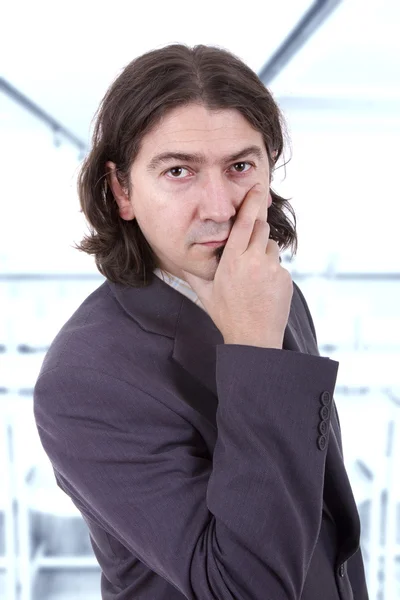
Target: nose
x=218, y=200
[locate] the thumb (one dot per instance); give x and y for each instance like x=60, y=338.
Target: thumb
x=201, y=287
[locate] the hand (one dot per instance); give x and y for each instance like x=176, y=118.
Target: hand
x=250, y=296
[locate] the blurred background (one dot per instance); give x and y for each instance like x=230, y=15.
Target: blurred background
x=334, y=68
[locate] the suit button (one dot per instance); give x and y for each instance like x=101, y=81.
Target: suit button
x=321, y=442
x=325, y=398
x=342, y=570
x=324, y=413
x=323, y=427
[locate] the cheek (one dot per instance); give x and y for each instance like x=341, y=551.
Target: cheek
x=173, y=214
x=150, y=208
x=165, y=226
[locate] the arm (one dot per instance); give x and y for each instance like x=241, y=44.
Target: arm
x=241, y=526
x=312, y=327
x=355, y=563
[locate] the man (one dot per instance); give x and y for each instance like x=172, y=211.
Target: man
x=184, y=406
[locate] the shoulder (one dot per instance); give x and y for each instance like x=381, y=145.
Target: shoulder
x=99, y=335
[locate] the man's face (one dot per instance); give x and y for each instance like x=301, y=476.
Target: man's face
x=188, y=182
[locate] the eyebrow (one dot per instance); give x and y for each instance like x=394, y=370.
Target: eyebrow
x=201, y=159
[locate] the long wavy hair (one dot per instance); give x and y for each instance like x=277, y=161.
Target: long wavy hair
x=145, y=90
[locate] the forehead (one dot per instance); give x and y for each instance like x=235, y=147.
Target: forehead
x=195, y=128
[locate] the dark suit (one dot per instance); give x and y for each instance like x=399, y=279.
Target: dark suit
x=204, y=470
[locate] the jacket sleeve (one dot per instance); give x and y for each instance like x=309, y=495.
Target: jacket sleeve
x=241, y=525
x=355, y=563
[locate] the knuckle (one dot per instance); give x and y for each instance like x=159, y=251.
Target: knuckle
x=255, y=262
x=287, y=277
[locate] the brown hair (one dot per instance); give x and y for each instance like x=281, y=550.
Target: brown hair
x=149, y=86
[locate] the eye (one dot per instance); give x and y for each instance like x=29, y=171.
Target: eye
x=177, y=172
x=241, y=167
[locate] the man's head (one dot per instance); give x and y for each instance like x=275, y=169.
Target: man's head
x=180, y=138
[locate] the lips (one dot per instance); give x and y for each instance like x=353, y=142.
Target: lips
x=213, y=241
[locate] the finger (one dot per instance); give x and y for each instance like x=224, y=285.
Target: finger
x=273, y=249
x=260, y=237
x=253, y=205
x=263, y=212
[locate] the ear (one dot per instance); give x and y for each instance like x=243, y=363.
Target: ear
x=120, y=194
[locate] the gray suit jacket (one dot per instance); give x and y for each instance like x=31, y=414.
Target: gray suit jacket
x=204, y=470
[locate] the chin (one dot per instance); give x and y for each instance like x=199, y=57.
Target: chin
x=206, y=272
x=206, y=269
x=209, y=272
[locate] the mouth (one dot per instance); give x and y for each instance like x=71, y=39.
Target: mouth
x=214, y=244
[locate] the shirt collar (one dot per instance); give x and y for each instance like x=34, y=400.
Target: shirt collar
x=179, y=284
